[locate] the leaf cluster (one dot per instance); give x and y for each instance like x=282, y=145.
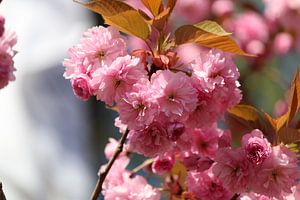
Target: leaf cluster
x=138, y=23
x=242, y=119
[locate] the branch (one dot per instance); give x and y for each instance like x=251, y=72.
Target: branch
x=2, y=196
x=98, y=187
x=141, y=166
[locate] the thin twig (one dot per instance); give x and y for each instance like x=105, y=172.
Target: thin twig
x=2, y=196
x=98, y=187
x=141, y=166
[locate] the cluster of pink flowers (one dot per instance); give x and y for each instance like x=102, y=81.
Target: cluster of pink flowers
x=275, y=31
x=171, y=108
x=156, y=104
x=7, y=41
x=121, y=184
x=168, y=109
x=257, y=167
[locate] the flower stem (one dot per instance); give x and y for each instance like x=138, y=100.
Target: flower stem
x=119, y=149
x=141, y=166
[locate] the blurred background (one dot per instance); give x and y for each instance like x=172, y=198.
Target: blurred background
x=51, y=143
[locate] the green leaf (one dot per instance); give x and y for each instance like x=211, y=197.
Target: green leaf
x=154, y=6
x=208, y=36
x=120, y=15
x=212, y=27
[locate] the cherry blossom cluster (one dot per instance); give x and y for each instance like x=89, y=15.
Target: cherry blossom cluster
x=162, y=100
x=163, y=105
x=120, y=184
x=7, y=41
x=170, y=108
x=258, y=167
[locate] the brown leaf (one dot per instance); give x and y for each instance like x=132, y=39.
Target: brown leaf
x=159, y=22
x=288, y=135
x=194, y=34
x=294, y=104
x=180, y=170
x=122, y=16
x=171, y=4
x=242, y=119
x=154, y=6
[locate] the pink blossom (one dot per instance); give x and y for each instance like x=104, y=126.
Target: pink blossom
x=116, y=173
x=222, y=7
x=110, y=148
x=151, y=141
x=99, y=46
x=122, y=127
x=204, y=185
x=175, y=94
x=119, y=185
x=278, y=173
x=225, y=139
x=2, y=21
x=275, y=10
x=175, y=130
x=232, y=169
x=206, y=140
x=193, y=161
x=253, y=196
x=215, y=77
x=81, y=86
x=7, y=41
x=256, y=147
x=137, y=108
x=163, y=165
x=226, y=97
x=192, y=11
x=282, y=43
x=103, y=45
x=251, y=29
x=77, y=63
x=112, y=82
x=136, y=43
x=188, y=52
x=251, y=26
x=255, y=47
x=205, y=113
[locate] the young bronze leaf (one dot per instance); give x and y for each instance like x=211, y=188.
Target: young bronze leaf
x=241, y=119
x=154, y=6
x=294, y=104
x=122, y=16
x=159, y=22
x=244, y=118
x=180, y=170
x=288, y=135
x=193, y=34
x=171, y=4
x=272, y=121
x=212, y=27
